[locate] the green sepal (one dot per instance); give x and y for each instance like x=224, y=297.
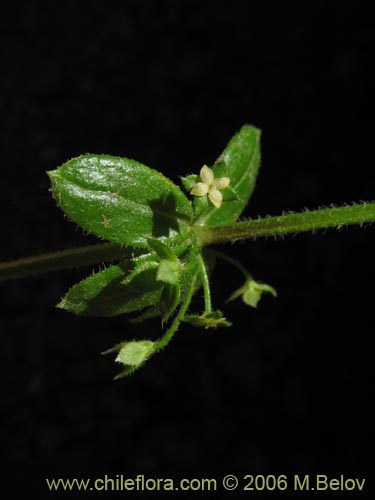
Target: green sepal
x=251, y=292
x=214, y=319
x=121, y=200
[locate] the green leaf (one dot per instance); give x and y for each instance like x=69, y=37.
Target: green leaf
x=251, y=292
x=148, y=313
x=121, y=200
x=136, y=285
x=131, y=354
x=170, y=297
x=169, y=272
x=134, y=353
x=139, y=265
x=103, y=293
x=133, y=286
x=162, y=250
x=240, y=162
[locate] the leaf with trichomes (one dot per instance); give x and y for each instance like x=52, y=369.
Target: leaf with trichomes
x=121, y=200
x=105, y=294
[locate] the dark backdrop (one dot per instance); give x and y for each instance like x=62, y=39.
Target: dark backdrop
x=286, y=389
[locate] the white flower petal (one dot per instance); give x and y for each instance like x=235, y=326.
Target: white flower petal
x=215, y=197
x=222, y=183
x=207, y=176
x=200, y=189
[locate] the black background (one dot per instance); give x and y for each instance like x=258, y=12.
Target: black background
x=286, y=389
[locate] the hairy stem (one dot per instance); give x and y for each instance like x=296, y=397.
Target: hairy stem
x=269, y=226
x=55, y=261
x=286, y=224
x=205, y=285
x=233, y=262
x=164, y=341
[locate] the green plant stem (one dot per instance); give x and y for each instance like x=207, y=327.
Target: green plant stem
x=55, y=261
x=268, y=226
x=232, y=262
x=205, y=285
x=164, y=341
x=286, y=224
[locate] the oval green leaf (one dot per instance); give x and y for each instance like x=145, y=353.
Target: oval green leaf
x=121, y=200
x=103, y=294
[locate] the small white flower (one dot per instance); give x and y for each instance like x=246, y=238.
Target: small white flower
x=210, y=186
